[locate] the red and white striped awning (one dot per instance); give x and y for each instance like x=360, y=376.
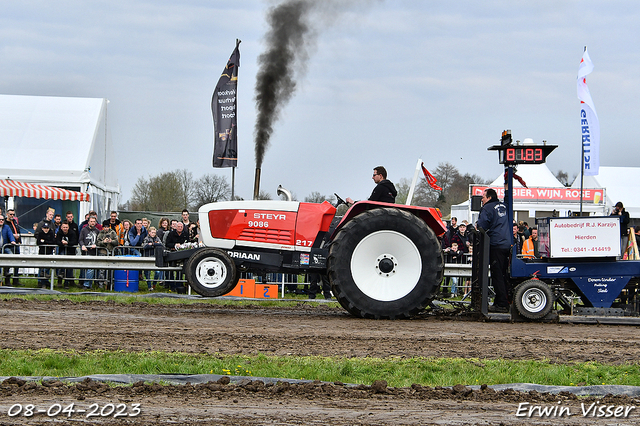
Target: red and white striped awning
x=12, y=188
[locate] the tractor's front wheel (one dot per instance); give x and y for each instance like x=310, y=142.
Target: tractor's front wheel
x=211, y=272
x=385, y=263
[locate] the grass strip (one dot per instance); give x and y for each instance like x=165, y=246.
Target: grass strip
x=397, y=372
x=128, y=300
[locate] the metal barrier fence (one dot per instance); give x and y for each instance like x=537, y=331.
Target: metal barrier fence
x=29, y=263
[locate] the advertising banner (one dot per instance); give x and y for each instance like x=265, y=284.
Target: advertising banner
x=584, y=237
x=589, y=124
x=595, y=196
x=225, y=120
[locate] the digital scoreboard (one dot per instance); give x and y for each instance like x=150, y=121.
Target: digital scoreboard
x=524, y=155
x=521, y=154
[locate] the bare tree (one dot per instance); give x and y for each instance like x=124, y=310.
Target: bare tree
x=264, y=195
x=455, y=188
x=164, y=192
x=140, y=195
x=402, y=186
x=187, y=186
x=316, y=197
x=210, y=188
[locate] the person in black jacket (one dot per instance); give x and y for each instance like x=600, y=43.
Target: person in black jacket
x=67, y=242
x=619, y=210
x=177, y=237
x=72, y=225
x=384, y=191
x=494, y=219
x=461, y=237
x=46, y=241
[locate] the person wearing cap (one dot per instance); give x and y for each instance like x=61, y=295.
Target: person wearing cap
x=619, y=210
x=47, y=244
x=46, y=240
x=461, y=237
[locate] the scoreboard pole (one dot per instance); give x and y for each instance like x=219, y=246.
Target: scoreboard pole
x=511, y=155
x=508, y=195
x=582, y=176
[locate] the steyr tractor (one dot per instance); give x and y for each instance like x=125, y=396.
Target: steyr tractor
x=383, y=260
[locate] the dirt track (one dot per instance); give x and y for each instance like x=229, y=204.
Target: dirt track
x=308, y=329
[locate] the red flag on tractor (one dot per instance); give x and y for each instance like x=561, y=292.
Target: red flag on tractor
x=430, y=179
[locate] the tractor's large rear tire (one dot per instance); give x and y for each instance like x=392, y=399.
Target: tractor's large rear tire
x=385, y=263
x=533, y=299
x=211, y=272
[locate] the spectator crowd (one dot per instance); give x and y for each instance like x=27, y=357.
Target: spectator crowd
x=54, y=236
x=457, y=247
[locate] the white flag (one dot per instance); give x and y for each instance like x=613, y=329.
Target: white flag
x=589, y=125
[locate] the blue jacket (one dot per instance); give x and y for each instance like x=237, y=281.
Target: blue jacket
x=7, y=235
x=493, y=219
x=136, y=240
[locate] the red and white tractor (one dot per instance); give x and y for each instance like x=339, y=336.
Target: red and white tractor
x=383, y=260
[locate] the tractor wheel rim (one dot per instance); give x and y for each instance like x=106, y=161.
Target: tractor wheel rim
x=386, y=265
x=211, y=272
x=534, y=300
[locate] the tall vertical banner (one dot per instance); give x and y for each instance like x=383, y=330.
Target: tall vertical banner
x=589, y=124
x=225, y=120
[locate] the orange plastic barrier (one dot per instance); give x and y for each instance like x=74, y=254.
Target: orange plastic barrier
x=266, y=291
x=244, y=288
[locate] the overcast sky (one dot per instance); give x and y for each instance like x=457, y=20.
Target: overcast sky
x=386, y=83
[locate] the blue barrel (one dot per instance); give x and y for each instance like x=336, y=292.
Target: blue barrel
x=126, y=280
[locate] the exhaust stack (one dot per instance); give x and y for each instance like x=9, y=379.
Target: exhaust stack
x=285, y=192
x=256, y=184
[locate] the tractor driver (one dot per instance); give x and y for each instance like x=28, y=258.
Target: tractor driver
x=493, y=218
x=384, y=191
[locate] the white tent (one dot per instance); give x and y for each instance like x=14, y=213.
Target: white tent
x=62, y=142
x=621, y=184
x=537, y=175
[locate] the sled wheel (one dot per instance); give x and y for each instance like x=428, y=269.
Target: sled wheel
x=211, y=272
x=533, y=299
x=385, y=263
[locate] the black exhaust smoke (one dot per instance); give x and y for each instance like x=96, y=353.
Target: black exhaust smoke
x=285, y=55
x=289, y=39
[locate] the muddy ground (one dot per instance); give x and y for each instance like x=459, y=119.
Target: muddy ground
x=307, y=329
